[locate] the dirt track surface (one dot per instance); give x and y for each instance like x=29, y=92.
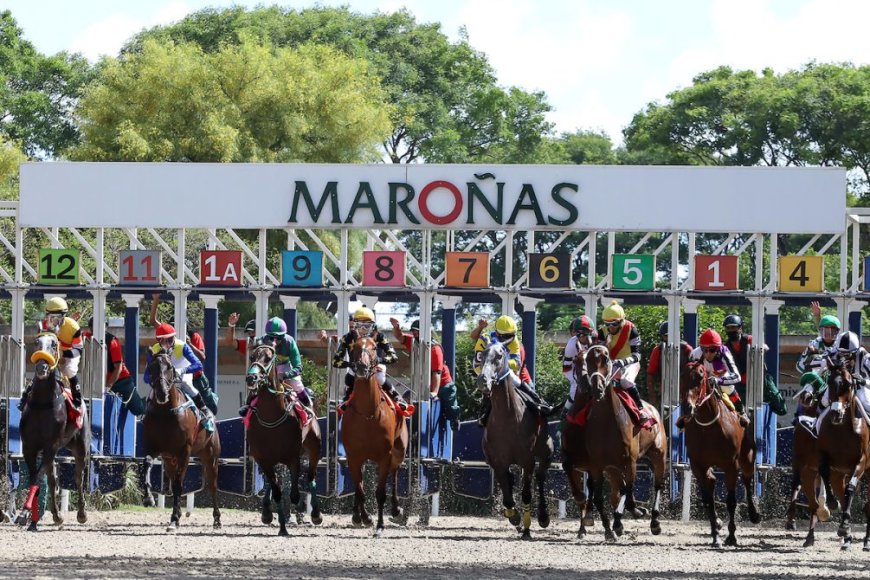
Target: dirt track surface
x=135, y=544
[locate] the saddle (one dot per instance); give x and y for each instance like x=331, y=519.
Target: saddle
x=304, y=414
x=634, y=412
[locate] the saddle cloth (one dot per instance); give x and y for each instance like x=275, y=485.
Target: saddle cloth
x=302, y=413
x=72, y=412
x=633, y=411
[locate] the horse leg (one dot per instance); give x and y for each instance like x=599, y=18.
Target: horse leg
x=148, y=496
x=706, y=486
x=54, y=491
x=578, y=491
x=381, y=493
x=210, y=465
x=845, y=529
x=619, y=491
x=541, y=479
x=275, y=489
x=867, y=515
x=295, y=496
x=506, y=482
x=746, y=464
x=81, y=452
x=808, y=482
x=31, y=503
x=731, y=503
x=174, y=473
x=657, y=460
x=597, y=483
x=526, y=496
x=397, y=514
x=360, y=516
x=792, y=506
x=313, y=448
x=266, y=515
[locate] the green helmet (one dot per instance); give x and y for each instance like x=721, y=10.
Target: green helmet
x=813, y=379
x=829, y=320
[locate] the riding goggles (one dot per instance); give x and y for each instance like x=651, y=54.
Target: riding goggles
x=612, y=323
x=710, y=349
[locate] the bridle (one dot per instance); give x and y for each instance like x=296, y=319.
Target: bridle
x=262, y=374
x=487, y=376
x=364, y=357
x=704, y=394
x=158, y=360
x=602, y=352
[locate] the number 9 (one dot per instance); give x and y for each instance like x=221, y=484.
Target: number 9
x=302, y=266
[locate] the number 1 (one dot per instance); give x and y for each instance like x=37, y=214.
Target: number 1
x=716, y=283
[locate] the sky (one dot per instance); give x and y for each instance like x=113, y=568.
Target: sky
x=598, y=62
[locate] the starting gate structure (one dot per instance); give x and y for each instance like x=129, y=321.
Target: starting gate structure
x=433, y=235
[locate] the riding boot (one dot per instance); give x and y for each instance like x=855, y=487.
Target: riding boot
x=740, y=410
x=207, y=421
x=635, y=396
x=540, y=405
x=391, y=392
x=485, y=408
x=243, y=410
x=76, y=391
x=566, y=411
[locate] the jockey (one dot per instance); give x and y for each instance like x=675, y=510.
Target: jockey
x=824, y=345
x=738, y=343
x=288, y=361
x=506, y=334
x=722, y=372
x=69, y=338
x=857, y=361
x=622, y=340
x=363, y=325
x=654, y=366
x=584, y=336
x=185, y=363
x=813, y=387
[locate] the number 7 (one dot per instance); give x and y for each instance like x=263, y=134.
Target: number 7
x=471, y=262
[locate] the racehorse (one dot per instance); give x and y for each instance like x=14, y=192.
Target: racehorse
x=715, y=439
x=372, y=430
x=171, y=429
x=575, y=457
x=614, y=445
x=46, y=427
x=804, y=456
x=844, y=437
x=514, y=435
x=276, y=435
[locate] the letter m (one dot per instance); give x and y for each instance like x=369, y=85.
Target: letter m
x=301, y=192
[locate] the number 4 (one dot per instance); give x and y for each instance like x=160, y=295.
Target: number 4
x=799, y=274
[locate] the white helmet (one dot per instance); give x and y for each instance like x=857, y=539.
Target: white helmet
x=847, y=343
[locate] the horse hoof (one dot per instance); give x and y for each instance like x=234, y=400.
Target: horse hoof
x=58, y=521
x=515, y=519
x=82, y=518
x=581, y=533
x=790, y=526
x=357, y=523
x=718, y=524
x=527, y=536
x=588, y=522
x=187, y=514
x=216, y=526
x=148, y=501
x=639, y=513
x=172, y=528
x=823, y=513
x=609, y=536
x=544, y=521
x=655, y=528
x=316, y=518
x=283, y=532
x=32, y=527
x=717, y=543
x=367, y=522
x=846, y=545
x=617, y=528
x=843, y=530
x=731, y=541
x=267, y=518
x=379, y=532
x=754, y=517
x=809, y=542
x=22, y=519
x=867, y=545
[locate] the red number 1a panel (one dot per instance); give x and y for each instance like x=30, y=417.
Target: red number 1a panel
x=715, y=273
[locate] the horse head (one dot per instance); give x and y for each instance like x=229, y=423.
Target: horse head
x=261, y=373
x=598, y=361
x=581, y=376
x=693, y=384
x=841, y=387
x=46, y=355
x=494, y=367
x=163, y=376
x=364, y=357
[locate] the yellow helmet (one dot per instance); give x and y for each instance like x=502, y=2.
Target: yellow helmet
x=56, y=305
x=505, y=325
x=613, y=312
x=364, y=313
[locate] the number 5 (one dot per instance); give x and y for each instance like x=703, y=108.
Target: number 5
x=631, y=273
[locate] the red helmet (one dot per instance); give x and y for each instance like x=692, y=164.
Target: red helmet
x=581, y=323
x=164, y=331
x=710, y=338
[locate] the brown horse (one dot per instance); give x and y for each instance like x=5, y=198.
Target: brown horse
x=45, y=427
x=614, y=446
x=844, y=443
x=372, y=430
x=715, y=439
x=171, y=429
x=276, y=435
x=575, y=457
x=514, y=435
x=804, y=456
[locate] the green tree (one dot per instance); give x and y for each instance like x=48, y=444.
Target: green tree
x=448, y=106
x=248, y=102
x=38, y=93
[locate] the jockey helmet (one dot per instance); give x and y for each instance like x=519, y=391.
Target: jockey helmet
x=581, y=325
x=663, y=329
x=363, y=314
x=829, y=320
x=732, y=320
x=505, y=325
x=251, y=326
x=710, y=338
x=848, y=343
x=812, y=379
x=56, y=305
x=613, y=312
x=276, y=327
x=415, y=326
x=164, y=331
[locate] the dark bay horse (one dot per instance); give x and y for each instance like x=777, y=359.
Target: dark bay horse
x=171, y=430
x=804, y=456
x=844, y=442
x=575, y=457
x=614, y=446
x=514, y=435
x=276, y=435
x=715, y=439
x=372, y=430
x=46, y=428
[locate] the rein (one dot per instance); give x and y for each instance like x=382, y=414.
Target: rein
x=705, y=394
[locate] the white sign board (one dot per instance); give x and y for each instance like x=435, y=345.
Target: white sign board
x=520, y=197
